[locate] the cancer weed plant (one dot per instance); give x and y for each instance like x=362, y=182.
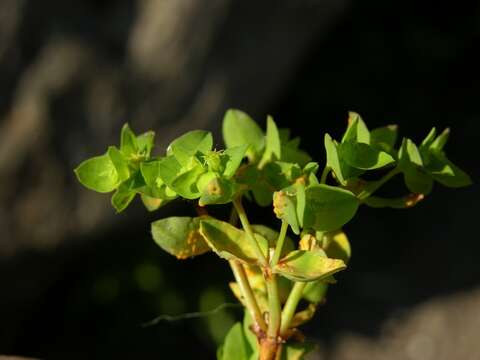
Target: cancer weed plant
x=273, y=269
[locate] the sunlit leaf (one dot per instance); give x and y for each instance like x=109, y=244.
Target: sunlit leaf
x=272, y=143
x=218, y=191
x=447, y=173
x=439, y=143
x=128, y=141
x=304, y=265
x=185, y=184
x=241, y=129
x=234, y=157
x=357, y=131
x=416, y=178
x=98, y=174
x=187, y=145
x=179, y=236
x=285, y=207
x=120, y=163
x=145, y=143
x=122, y=198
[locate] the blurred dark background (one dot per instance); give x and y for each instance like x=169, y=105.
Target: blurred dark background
x=77, y=281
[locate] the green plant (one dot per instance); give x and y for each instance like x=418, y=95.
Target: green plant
x=273, y=271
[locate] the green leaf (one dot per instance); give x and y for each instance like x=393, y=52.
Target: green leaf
x=120, y=163
x=187, y=145
x=409, y=154
x=179, y=236
x=272, y=236
x=328, y=207
x=364, y=156
x=447, y=173
x=145, y=143
x=122, y=198
x=305, y=265
x=229, y=242
x=152, y=203
x=249, y=335
x=98, y=174
x=150, y=171
x=185, y=184
x=439, y=143
x=169, y=169
x=333, y=160
x=218, y=191
x=394, y=203
x=296, y=351
x=272, y=144
x=236, y=346
x=128, y=141
x=285, y=207
x=357, y=131
x=240, y=129
x=301, y=202
x=336, y=245
x=384, y=137
x=416, y=178
x=234, y=157
x=315, y=291
x=429, y=139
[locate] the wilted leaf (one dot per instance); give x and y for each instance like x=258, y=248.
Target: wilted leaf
x=304, y=265
x=229, y=242
x=179, y=236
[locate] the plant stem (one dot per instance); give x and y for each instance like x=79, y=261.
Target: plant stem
x=274, y=310
x=325, y=172
x=291, y=305
x=374, y=186
x=279, y=245
x=248, y=229
x=246, y=290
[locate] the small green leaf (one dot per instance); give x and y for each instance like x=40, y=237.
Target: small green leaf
x=236, y=345
x=218, y=191
x=445, y=172
x=333, y=160
x=409, y=153
x=328, y=207
x=169, y=169
x=240, y=129
x=357, y=131
x=98, y=174
x=128, y=141
x=122, y=198
x=187, y=145
x=272, y=144
x=305, y=265
x=234, y=157
x=179, y=236
x=301, y=202
x=285, y=207
x=229, y=242
x=150, y=171
x=429, y=139
x=384, y=137
x=417, y=180
x=120, y=163
x=439, y=143
x=336, y=245
x=364, y=156
x=145, y=143
x=185, y=184
x=152, y=203
x=394, y=203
